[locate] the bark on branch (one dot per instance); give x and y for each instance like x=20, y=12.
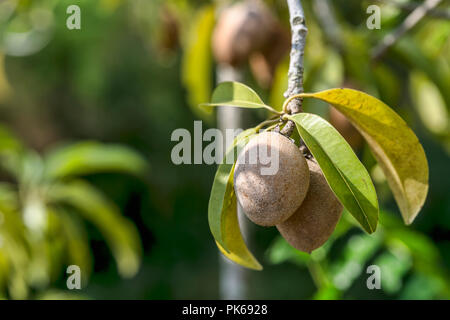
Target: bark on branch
x=295, y=75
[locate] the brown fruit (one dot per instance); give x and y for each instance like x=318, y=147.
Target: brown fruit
x=263, y=63
x=169, y=33
x=269, y=197
x=314, y=222
x=241, y=29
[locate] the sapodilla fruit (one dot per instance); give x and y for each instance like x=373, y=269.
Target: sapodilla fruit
x=241, y=29
x=269, y=195
x=314, y=222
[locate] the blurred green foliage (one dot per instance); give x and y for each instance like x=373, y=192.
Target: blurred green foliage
x=40, y=209
x=120, y=82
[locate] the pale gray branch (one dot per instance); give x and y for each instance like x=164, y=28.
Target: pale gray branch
x=409, y=23
x=295, y=74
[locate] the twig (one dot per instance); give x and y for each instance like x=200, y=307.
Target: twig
x=295, y=74
x=411, y=20
x=327, y=19
x=435, y=13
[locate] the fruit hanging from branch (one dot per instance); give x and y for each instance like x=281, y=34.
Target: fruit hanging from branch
x=271, y=186
x=304, y=199
x=314, y=222
x=248, y=32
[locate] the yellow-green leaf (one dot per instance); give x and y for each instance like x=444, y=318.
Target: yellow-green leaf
x=222, y=210
x=237, y=250
x=236, y=94
x=394, y=144
x=222, y=187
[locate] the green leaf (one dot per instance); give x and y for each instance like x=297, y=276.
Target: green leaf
x=93, y=157
x=235, y=94
x=412, y=55
x=120, y=233
x=345, y=174
x=394, y=264
x=358, y=250
x=430, y=104
x=222, y=209
x=222, y=187
x=237, y=250
x=394, y=144
x=76, y=240
x=281, y=251
x=197, y=62
x=11, y=152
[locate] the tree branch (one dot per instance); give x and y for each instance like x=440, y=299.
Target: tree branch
x=409, y=6
x=295, y=74
x=411, y=20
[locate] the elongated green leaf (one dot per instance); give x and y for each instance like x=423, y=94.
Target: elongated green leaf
x=237, y=250
x=222, y=187
x=77, y=243
x=222, y=210
x=120, y=234
x=197, y=62
x=235, y=94
x=93, y=157
x=394, y=144
x=345, y=174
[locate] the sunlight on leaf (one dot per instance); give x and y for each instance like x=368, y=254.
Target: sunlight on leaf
x=222, y=209
x=222, y=187
x=345, y=174
x=394, y=144
x=235, y=94
x=237, y=250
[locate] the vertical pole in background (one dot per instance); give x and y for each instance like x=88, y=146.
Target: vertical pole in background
x=233, y=282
